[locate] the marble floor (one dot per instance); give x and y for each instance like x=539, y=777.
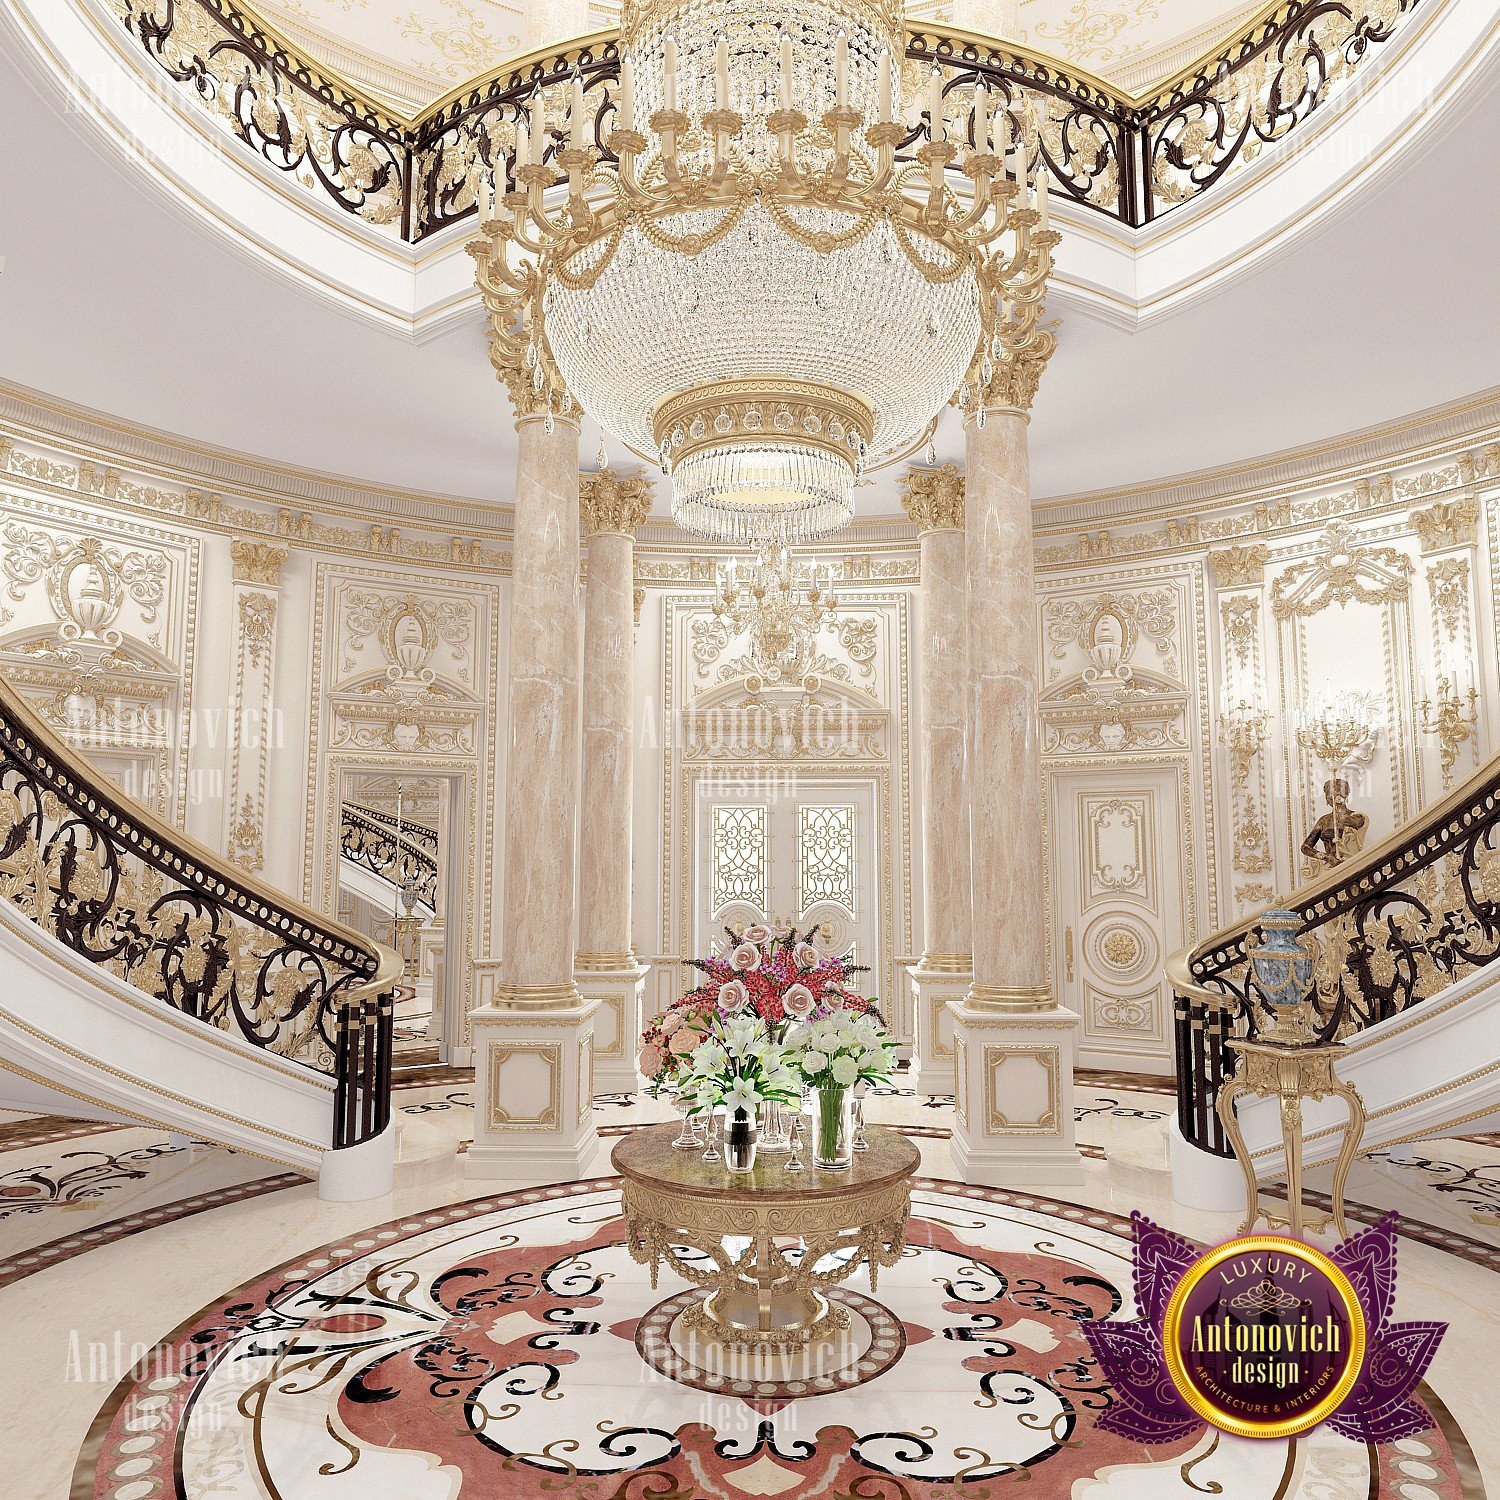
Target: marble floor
x=180, y=1321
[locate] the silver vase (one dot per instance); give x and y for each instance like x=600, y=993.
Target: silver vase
x=740, y=1134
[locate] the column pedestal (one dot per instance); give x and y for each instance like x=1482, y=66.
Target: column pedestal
x=620, y=990
x=1013, y=1100
x=534, y=1071
x=934, y=988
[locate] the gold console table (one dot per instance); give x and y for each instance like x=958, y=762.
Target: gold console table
x=764, y=1238
x=1291, y=1073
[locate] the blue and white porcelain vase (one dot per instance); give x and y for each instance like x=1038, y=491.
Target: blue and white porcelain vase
x=1283, y=972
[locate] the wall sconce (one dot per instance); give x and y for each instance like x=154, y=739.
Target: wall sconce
x=1452, y=717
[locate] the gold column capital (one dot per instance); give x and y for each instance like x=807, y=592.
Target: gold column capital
x=1013, y=382
x=257, y=562
x=934, y=498
x=608, y=501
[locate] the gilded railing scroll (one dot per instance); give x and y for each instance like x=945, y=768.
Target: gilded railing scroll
x=1132, y=158
x=124, y=891
x=1388, y=929
x=398, y=856
x=1255, y=91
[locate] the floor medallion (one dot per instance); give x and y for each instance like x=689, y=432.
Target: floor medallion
x=509, y=1347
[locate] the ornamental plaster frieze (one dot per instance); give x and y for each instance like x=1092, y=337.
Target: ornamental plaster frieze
x=1444, y=458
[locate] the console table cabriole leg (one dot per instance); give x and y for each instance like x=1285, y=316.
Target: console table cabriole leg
x=1291, y=1141
x=1225, y=1106
x=1349, y=1151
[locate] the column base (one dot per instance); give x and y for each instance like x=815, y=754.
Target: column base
x=534, y=1088
x=1013, y=1096
x=934, y=986
x=619, y=989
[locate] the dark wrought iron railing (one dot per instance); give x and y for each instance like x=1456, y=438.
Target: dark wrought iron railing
x=394, y=855
x=1388, y=929
x=161, y=912
x=1131, y=158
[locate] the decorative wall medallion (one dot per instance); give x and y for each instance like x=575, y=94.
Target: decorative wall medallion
x=1120, y=948
x=257, y=624
x=1240, y=614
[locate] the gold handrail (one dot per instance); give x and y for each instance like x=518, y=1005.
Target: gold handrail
x=1313, y=894
x=387, y=966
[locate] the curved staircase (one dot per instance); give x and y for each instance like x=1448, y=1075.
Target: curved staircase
x=144, y=977
x=1404, y=939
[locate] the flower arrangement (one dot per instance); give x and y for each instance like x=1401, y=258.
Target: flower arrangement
x=833, y=1053
x=842, y=1049
x=778, y=976
x=738, y=1067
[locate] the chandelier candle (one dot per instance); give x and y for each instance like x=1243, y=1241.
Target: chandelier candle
x=767, y=299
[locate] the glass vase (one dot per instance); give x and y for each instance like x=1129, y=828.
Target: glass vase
x=775, y=1135
x=833, y=1128
x=740, y=1133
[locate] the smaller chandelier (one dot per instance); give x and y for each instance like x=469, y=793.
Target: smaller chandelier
x=781, y=605
x=1340, y=728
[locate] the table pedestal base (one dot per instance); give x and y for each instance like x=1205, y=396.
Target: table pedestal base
x=870, y=1340
x=774, y=1320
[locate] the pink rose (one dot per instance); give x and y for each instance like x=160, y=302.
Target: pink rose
x=734, y=997
x=798, y=1002
x=651, y=1060
x=807, y=956
x=745, y=956
x=682, y=1041
x=756, y=934
x=671, y=1021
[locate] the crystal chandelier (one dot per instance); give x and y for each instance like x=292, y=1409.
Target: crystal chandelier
x=780, y=604
x=757, y=291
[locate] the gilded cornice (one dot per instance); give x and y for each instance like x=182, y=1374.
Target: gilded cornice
x=608, y=501
x=934, y=498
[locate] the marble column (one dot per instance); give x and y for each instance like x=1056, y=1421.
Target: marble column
x=1014, y=1047
x=533, y=1032
x=605, y=967
x=934, y=500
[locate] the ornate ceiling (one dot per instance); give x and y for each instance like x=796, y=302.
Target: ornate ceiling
x=409, y=52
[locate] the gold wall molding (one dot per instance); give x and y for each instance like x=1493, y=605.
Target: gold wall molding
x=1237, y=566
x=257, y=562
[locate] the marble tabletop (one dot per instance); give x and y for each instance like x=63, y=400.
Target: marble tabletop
x=647, y=1156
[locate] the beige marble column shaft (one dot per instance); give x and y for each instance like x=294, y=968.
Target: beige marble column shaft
x=605, y=968
x=934, y=501
x=1004, y=757
x=610, y=509
x=542, y=766
x=534, y=1034
x=1014, y=1047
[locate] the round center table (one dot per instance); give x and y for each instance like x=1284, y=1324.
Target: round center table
x=764, y=1243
